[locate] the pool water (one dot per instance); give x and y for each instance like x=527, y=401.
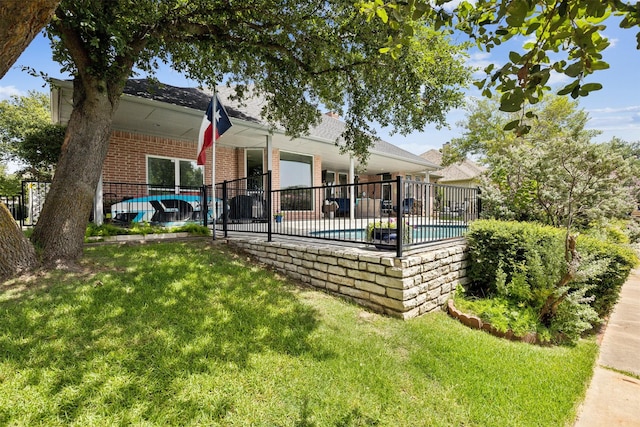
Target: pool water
x=421, y=233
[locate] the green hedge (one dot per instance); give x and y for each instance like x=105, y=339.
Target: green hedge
x=516, y=260
x=618, y=260
x=521, y=264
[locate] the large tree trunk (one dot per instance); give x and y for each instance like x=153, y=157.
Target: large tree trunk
x=20, y=21
x=62, y=223
x=17, y=252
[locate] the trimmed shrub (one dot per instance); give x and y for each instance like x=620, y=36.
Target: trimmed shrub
x=518, y=266
x=515, y=260
x=617, y=261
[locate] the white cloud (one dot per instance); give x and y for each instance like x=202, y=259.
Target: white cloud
x=620, y=122
x=557, y=79
x=609, y=110
x=7, y=92
x=478, y=62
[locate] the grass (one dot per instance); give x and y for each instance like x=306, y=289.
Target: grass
x=191, y=334
x=144, y=228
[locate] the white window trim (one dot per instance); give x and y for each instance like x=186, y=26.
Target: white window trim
x=176, y=164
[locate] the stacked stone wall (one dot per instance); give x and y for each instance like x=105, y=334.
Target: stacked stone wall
x=401, y=287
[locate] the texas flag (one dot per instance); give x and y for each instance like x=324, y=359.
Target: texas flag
x=206, y=138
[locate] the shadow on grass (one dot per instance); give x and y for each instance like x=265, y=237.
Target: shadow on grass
x=125, y=341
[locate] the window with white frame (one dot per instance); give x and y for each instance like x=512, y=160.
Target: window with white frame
x=170, y=172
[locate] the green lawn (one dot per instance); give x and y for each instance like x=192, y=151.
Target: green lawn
x=191, y=334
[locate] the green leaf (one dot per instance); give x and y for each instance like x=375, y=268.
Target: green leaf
x=568, y=88
x=512, y=101
x=589, y=87
x=514, y=57
x=599, y=65
x=517, y=12
x=382, y=14
x=574, y=69
x=512, y=125
x=532, y=28
x=575, y=92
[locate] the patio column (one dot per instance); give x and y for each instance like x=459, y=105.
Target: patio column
x=269, y=153
x=270, y=169
x=352, y=188
x=97, y=204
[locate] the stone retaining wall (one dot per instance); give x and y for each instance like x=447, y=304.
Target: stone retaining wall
x=402, y=287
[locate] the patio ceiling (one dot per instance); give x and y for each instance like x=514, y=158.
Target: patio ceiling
x=150, y=117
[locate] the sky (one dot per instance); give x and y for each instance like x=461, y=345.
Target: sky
x=614, y=110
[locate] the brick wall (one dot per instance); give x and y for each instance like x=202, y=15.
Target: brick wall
x=401, y=287
x=127, y=156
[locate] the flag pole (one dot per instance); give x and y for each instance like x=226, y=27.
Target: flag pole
x=214, y=205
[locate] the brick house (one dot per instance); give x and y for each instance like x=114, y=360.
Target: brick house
x=155, y=132
x=463, y=174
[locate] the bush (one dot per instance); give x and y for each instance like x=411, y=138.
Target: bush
x=106, y=230
x=390, y=224
x=518, y=261
x=518, y=266
x=617, y=261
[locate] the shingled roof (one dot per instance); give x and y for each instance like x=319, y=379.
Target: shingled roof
x=192, y=97
x=330, y=128
x=467, y=170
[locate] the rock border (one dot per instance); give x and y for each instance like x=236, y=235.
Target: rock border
x=474, y=322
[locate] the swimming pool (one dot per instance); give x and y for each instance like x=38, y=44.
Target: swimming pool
x=420, y=233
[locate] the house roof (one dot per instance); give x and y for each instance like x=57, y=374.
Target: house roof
x=191, y=97
x=329, y=128
x=153, y=108
x=466, y=170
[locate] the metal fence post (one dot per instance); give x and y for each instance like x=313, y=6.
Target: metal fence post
x=269, y=206
x=204, y=208
x=225, y=210
x=400, y=208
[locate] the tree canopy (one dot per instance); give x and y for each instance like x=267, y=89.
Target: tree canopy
x=27, y=135
x=20, y=115
x=299, y=54
x=564, y=37
x=554, y=174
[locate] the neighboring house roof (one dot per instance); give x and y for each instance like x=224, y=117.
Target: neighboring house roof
x=467, y=170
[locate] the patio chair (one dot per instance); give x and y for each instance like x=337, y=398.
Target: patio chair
x=407, y=206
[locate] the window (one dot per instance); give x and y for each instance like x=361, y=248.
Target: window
x=296, y=176
x=255, y=169
x=295, y=170
x=166, y=172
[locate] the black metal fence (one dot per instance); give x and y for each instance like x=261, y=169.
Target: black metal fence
x=16, y=207
x=26, y=206
x=393, y=214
